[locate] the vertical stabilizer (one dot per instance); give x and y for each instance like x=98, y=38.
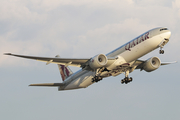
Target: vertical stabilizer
x=64, y=71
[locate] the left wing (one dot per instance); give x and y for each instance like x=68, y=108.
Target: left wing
x=168, y=63
x=48, y=60
x=140, y=63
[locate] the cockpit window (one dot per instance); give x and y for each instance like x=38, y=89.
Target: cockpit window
x=163, y=29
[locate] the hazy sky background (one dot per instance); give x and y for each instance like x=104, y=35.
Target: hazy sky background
x=82, y=29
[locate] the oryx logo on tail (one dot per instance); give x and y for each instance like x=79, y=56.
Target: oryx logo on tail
x=64, y=71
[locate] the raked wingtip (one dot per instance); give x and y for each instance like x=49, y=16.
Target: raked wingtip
x=7, y=54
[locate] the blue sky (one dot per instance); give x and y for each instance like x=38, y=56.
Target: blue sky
x=78, y=28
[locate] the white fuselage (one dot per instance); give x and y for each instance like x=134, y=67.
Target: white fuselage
x=127, y=53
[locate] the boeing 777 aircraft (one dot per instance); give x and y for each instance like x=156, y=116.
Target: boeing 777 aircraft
x=121, y=60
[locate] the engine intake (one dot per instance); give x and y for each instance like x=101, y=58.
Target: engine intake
x=98, y=61
x=152, y=64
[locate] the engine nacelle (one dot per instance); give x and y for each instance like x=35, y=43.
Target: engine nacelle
x=98, y=61
x=152, y=64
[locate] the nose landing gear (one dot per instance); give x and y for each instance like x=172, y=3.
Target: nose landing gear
x=162, y=44
x=161, y=51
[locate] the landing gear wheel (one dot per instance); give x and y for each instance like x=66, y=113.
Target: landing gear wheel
x=122, y=81
x=130, y=79
x=96, y=79
x=126, y=80
x=99, y=78
x=93, y=80
x=161, y=51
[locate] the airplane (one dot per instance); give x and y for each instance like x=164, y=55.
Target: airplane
x=121, y=60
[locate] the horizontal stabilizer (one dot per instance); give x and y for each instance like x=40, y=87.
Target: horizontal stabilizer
x=48, y=84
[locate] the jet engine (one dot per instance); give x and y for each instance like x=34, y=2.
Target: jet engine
x=152, y=64
x=98, y=61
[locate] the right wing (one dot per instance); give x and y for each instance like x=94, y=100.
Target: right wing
x=64, y=61
x=48, y=60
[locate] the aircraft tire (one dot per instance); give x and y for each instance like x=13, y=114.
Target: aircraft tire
x=122, y=81
x=130, y=79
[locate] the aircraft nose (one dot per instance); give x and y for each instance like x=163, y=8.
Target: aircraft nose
x=167, y=35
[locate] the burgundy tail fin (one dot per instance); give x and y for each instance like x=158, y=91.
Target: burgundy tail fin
x=64, y=71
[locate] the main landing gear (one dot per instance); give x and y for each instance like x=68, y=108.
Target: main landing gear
x=96, y=79
x=126, y=80
x=98, y=76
